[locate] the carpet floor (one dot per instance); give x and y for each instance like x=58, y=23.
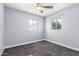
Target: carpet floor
x=41, y=48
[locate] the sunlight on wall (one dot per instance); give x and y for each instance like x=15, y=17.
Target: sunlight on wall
x=32, y=25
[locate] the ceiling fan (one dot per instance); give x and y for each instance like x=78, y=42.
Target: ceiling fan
x=41, y=6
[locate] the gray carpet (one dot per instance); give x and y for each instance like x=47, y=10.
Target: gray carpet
x=41, y=48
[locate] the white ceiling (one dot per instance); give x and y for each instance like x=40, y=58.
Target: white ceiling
x=28, y=7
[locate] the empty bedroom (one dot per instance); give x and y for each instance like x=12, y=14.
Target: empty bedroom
x=39, y=29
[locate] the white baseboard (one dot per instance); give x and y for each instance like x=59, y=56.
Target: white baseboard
x=70, y=47
x=22, y=43
x=1, y=51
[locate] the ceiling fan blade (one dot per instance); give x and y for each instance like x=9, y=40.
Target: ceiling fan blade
x=47, y=6
x=38, y=4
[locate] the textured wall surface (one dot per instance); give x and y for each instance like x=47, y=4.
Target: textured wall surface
x=69, y=34
x=16, y=23
x=1, y=27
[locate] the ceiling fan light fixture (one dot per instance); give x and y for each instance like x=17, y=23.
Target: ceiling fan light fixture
x=41, y=9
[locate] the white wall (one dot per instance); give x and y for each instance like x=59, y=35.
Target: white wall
x=69, y=34
x=1, y=27
x=16, y=27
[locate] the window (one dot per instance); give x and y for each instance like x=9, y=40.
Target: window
x=57, y=24
x=32, y=25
